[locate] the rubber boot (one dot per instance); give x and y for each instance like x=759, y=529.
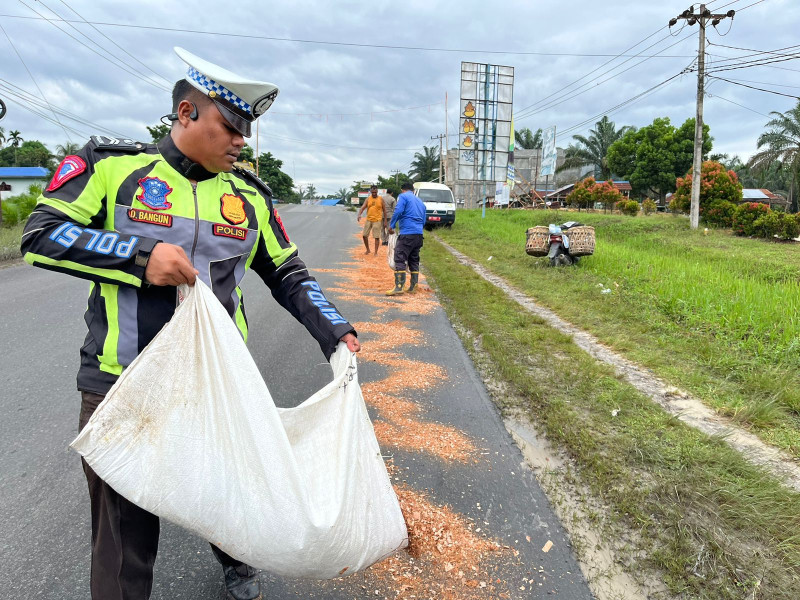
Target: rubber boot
x=414, y=281
x=399, y=282
x=242, y=583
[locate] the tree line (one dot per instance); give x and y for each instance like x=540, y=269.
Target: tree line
x=653, y=157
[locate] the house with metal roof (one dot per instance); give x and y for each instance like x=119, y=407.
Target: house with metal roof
x=764, y=196
x=16, y=180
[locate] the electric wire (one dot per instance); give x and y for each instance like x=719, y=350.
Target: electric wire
x=116, y=44
x=26, y=96
x=329, y=43
x=561, y=101
x=542, y=100
x=737, y=104
x=756, y=88
x=103, y=56
x=34, y=80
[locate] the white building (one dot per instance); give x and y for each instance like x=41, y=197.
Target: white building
x=16, y=180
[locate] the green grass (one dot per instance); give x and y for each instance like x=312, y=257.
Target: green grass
x=693, y=512
x=714, y=314
x=9, y=242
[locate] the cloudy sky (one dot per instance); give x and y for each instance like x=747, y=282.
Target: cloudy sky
x=345, y=110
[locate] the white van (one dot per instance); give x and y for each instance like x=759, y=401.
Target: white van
x=440, y=206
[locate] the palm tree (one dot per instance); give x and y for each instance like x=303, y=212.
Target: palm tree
x=343, y=194
x=593, y=150
x=782, y=143
x=66, y=149
x=425, y=166
x=527, y=140
x=310, y=192
x=15, y=138
x=2, y=136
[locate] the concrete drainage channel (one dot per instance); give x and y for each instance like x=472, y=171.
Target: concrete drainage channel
x=676, y=402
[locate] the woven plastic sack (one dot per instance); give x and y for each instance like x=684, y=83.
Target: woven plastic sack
x=392, y=239
x=190, y=433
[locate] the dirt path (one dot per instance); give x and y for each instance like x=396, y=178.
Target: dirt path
x=675, y=401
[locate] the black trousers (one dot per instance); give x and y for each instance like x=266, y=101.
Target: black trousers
x=124, y=536
x=406, y=251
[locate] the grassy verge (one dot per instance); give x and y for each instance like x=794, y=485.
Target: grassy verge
x=698, y=516
x=9, y=242
x=714, y=314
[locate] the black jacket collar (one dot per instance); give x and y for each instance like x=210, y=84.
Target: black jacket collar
x=182, y=163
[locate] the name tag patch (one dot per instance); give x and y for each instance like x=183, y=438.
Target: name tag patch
x=146, y=216
x=230, y=231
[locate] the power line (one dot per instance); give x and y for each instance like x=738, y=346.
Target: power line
x=325, y=144
x=737, y=104
x=776, y=52
x=622, y=104
x=767, y=83
x=595, y=70
x=358, y=114
x=103, y=56
x=753, y=63
x=34, y=80
x=755, y=88
x=28, y=97
x=141, y=75
x=768, y=66
x=558, y=102
x=328, y=43
x=115, y=43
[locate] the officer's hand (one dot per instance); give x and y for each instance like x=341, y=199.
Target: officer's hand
x=391, y=231
x=352, y=342
x=169, y=265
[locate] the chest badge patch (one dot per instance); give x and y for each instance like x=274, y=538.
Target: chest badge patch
x=154, y=193
x=232, y=209
x=70, y=167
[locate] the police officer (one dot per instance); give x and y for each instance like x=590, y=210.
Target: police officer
x=139, y=219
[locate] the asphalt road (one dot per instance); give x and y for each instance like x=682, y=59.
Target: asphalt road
x=44, y=514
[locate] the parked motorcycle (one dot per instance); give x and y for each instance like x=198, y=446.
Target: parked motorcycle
x=559, y=254
x=563, y=244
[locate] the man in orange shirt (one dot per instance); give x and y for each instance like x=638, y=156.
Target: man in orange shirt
x=376, y=218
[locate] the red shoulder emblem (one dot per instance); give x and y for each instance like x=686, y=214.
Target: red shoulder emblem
x=280, y=224
x=70, y=167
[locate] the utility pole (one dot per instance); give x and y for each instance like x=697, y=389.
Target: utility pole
x=396, y=173
x=702, y=16
x=446, y=137
x=439, y=137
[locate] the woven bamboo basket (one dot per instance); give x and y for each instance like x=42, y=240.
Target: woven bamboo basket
x=538, y=243
x=581, y=240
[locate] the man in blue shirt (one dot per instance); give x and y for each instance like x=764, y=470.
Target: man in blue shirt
x=410, y=211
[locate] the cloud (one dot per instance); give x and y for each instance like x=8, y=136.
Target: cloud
x=331, y=79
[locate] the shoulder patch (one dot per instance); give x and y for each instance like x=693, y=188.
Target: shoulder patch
x=70, y=167
x=102, y=142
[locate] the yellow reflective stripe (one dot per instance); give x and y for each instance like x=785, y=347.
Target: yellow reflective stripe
x=65, y=208
x=113, y=274
x=108, y=359
x=240, y=322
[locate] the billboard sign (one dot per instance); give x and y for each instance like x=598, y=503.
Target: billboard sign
x=549, y=152
x=487, y=94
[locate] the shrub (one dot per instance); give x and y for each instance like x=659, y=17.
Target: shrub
x=581, y=195
x=745, y=216
x=719, y=213
x=630, y=208
x=649, y=206
x=767, y=225
x=620, y=206
x=16, y=209
x=790, y=226
x=716, y=184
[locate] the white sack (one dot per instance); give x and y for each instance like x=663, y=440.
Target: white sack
x=392, y=239
x=190, y=432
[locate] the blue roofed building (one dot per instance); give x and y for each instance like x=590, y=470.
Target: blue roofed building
x=16, y=180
